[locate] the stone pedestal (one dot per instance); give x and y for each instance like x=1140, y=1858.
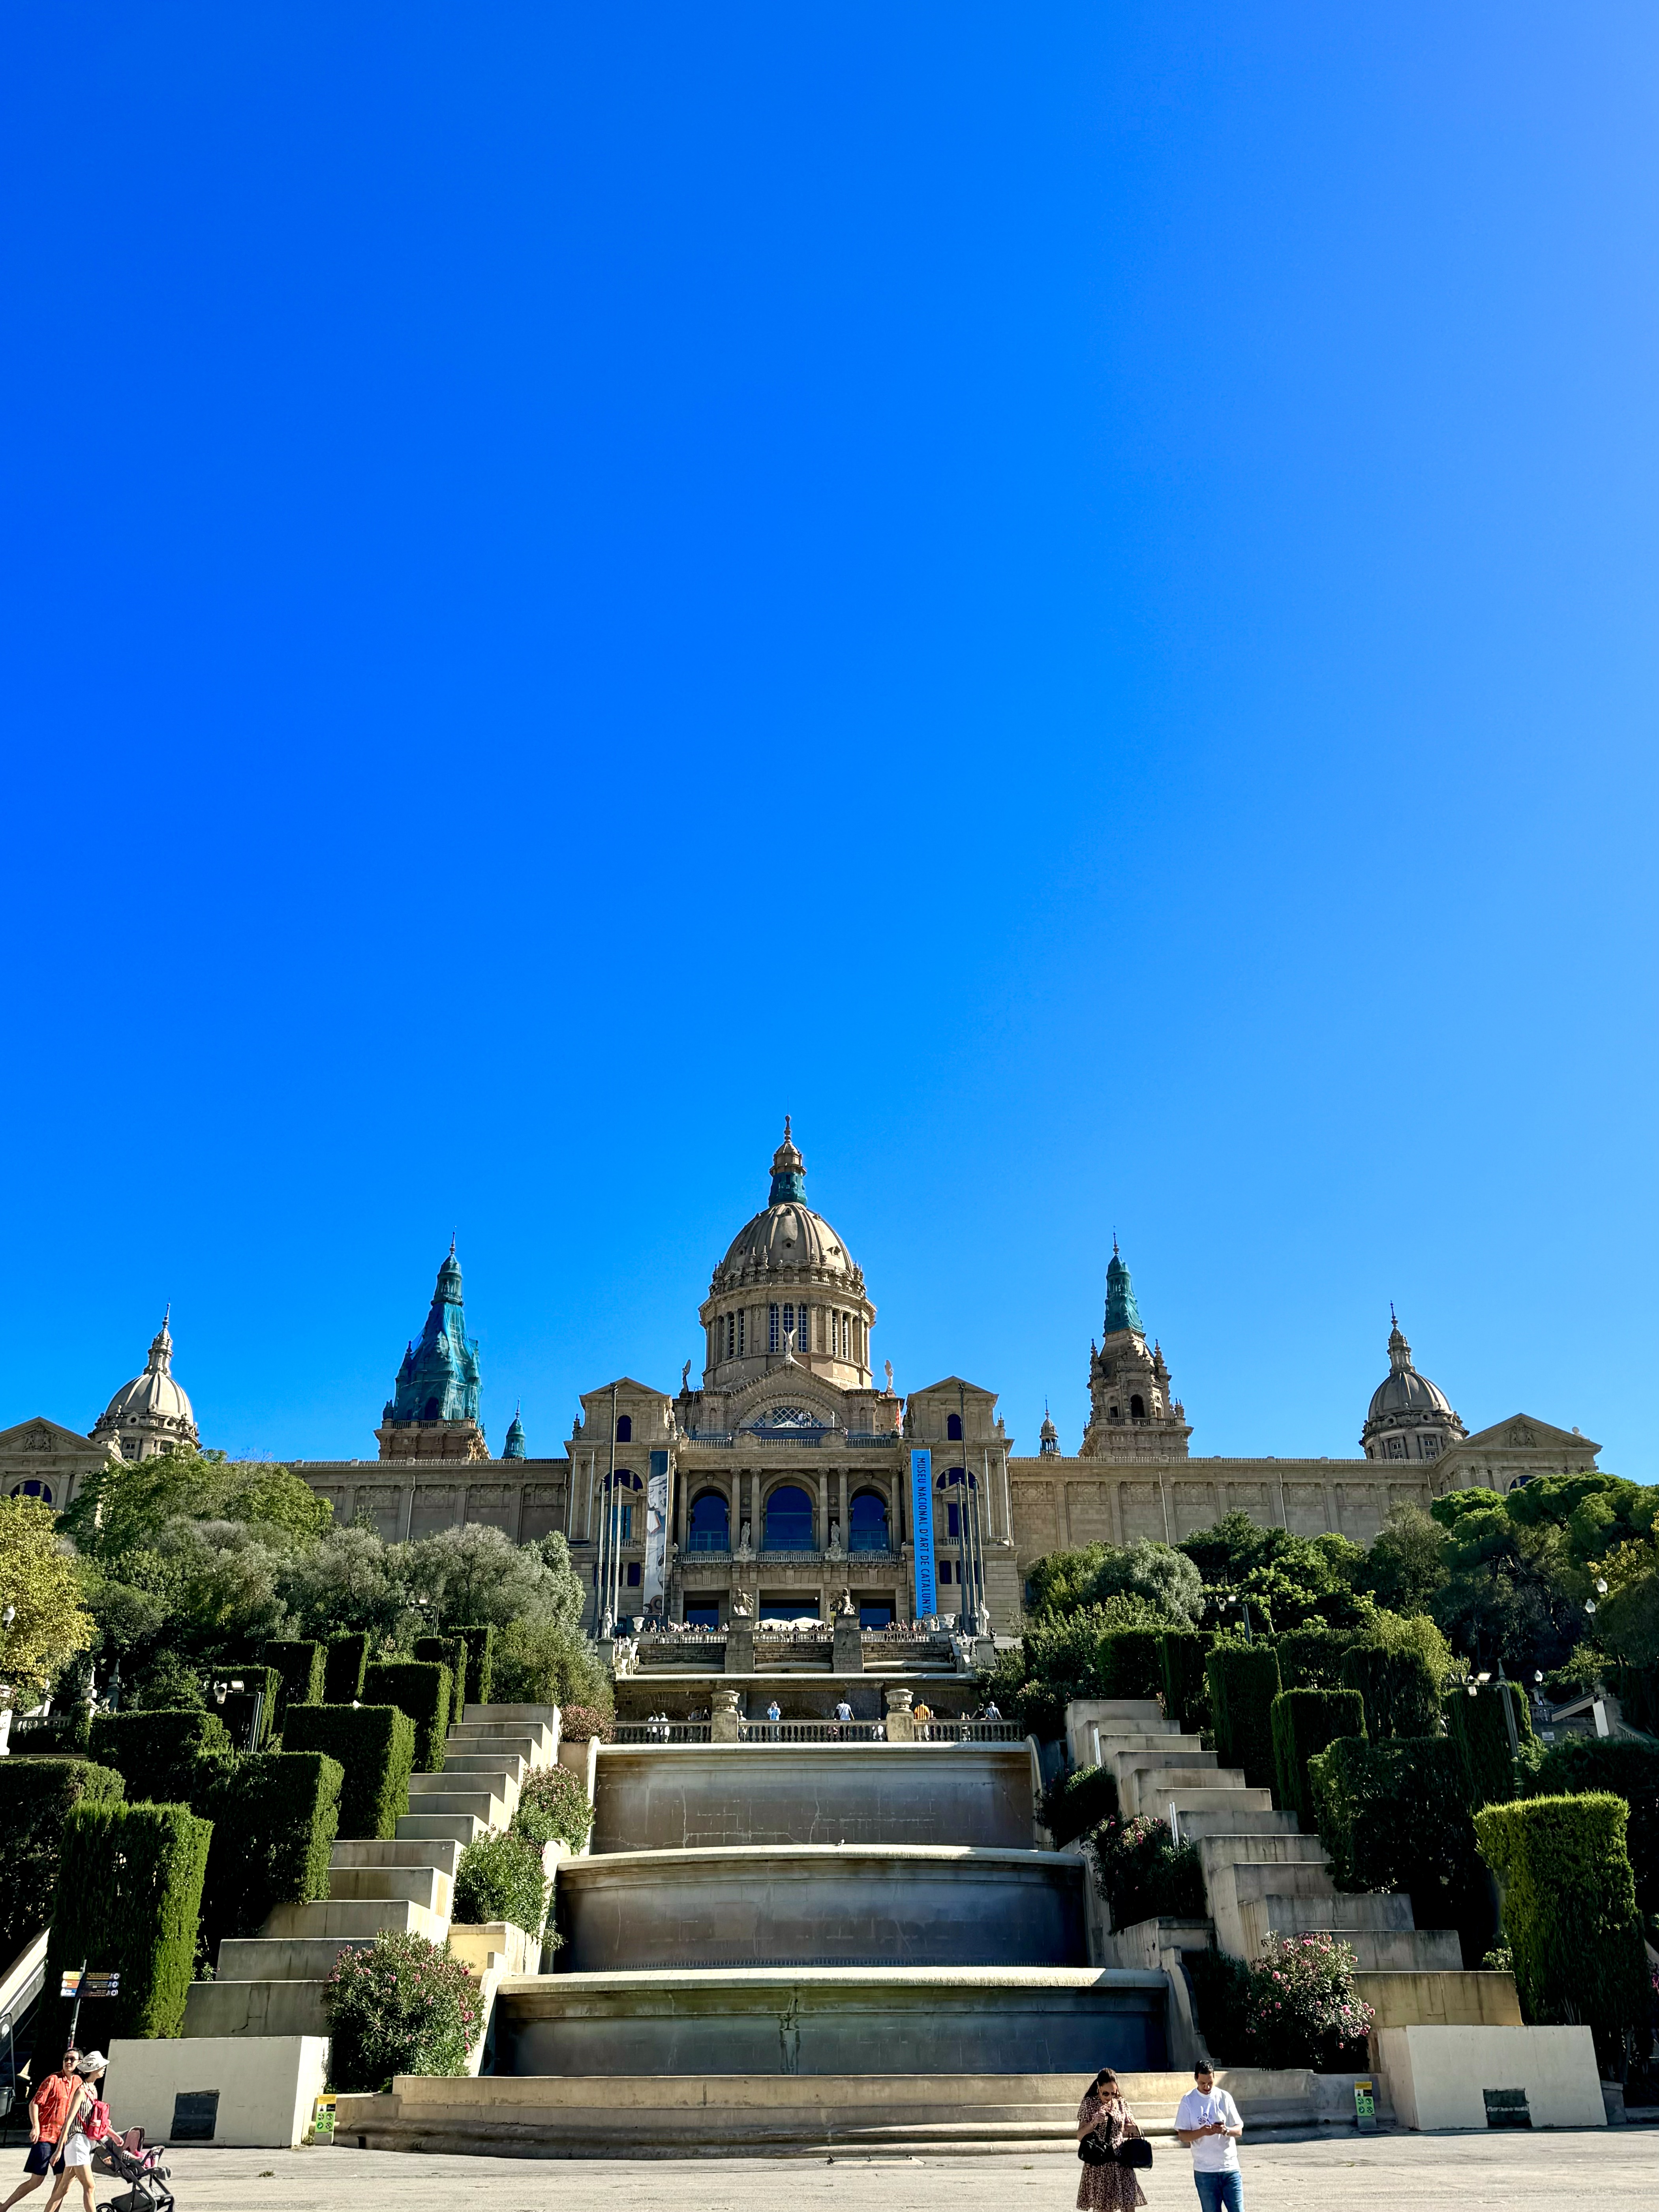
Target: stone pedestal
x=901, y=1721
x=724, y=1724
x=849, y=1645
x=740, y=1647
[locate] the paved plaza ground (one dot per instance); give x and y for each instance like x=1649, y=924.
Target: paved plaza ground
x=1382, y=2174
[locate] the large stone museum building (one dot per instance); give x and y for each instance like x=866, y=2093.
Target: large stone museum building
x=793, y=1477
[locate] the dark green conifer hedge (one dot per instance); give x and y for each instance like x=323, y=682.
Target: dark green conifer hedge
x=302, y=1662
x=342, y=1670
x=376, y=1744
x=169, y=1758
x=36, y=1796
x=128, y=1899
x=1243, y=1683
x=421, y=1687
x=1304, y=1723
x=275, y=1818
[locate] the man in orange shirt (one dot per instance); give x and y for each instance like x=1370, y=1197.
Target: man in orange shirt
x=47, y=2109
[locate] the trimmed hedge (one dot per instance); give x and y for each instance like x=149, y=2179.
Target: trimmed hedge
x=448, y=1651
x=1129, y=1662
x=480, y=1641
x=36, y=1796
x=1182, y=1681
x=1311, y=1658
x=1305, y=1722
x=422, y=1688
x=275, y=1818
x=1243, y=1682
x=169, y=1758
x=1394, y=1816
x=1477, y=1726
x=1401, y=1688
x=1073, y=1803
x=237, y=1709
x=128, y=1899
x=376, y=1744
x=1630, y=1770
x=302, y=1662
x=342, y=1670
x=1569, y=1910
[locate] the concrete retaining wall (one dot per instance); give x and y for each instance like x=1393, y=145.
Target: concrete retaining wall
x=1438, y=2077
x=267, y=2085
x=832, y=2020
x=858, y=1905
x=688, y=1796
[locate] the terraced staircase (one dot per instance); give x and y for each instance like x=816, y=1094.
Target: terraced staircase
x=272, y=1984
x=1262, y=1875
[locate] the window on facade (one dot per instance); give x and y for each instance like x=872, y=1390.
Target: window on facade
x=1113, y=1414
x=953, y=1519
x=1136, y=1408
x=32, y=1489
x=624, y=1428
x=731, y=1335
x=953, y=1428
x=625, y=1515
x=633, y=1574
x=710, y=1528
x=1428, y=1446
x=788, y=1319
x=789, y=1521
x=1394, y=1448
x=945, y=1568
x=702, y=1612
x=868, y=1518
x=743, y=1327
x=771, y=1329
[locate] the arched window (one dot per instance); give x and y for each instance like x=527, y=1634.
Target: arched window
x=433, y=1410
x=624, y=1428
x=711, y=1524
x=953, y=1429
x=867, y=1514
x=32, y=1489
x=1113, y=1414
x=789, y=1521
x=1137, y=1408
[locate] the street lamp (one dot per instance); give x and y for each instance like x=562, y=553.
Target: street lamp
x=1237, y=1597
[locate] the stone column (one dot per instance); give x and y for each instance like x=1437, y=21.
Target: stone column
x=723, y=1722
x=841, y=1502
x=823, y=1513
x=901, y=1721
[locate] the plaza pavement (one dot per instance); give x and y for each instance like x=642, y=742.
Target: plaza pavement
x=1610, y=2169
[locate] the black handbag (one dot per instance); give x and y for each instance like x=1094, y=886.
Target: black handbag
x=1093, y=2152
x=1136, y=2150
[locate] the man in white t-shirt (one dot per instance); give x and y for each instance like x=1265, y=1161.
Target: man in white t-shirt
x=1208, y=2122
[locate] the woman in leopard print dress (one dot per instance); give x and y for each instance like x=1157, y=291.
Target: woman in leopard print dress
x=1111, y=2188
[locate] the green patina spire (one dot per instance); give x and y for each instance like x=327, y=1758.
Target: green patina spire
x=1121, y=1311
x=514, y=1448
x=788, y=1170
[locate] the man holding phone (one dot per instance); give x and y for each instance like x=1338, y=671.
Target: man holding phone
x=1208, y=2122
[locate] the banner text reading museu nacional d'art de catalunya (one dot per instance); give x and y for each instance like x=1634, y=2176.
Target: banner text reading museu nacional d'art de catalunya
x=921, y=1531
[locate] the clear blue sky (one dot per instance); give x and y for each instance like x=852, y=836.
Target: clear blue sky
x=1067, y=595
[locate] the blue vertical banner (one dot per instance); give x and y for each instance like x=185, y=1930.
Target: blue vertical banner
x=921, y=1532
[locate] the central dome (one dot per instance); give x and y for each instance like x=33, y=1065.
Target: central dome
x=151, y=1413
x=786, y=1233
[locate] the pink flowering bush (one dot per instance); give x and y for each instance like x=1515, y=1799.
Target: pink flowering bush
x=1300, y=2008
x=578, y=1722
x=401, y=2006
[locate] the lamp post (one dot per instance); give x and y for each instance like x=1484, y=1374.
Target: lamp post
x=1238, y=1598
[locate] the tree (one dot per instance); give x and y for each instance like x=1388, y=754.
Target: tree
x=39, y=1584
x=478, y=1574
x=1299, y=1579
x=123, y=1508
x=1407, y=1568
x=1066, y=1582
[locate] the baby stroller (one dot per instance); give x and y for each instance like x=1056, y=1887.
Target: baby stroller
x=127, y=2158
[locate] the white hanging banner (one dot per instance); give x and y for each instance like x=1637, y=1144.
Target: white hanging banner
x=656, y=1534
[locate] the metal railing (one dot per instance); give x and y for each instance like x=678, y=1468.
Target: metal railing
x=705, y=1539
x=866, y=1439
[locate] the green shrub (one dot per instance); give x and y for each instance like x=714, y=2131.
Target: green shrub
x=544, y=1662
x=128, y=1899
x=1569, y=1910
x=1243, y=1683
x=422, y=1689
x=168, y=1685
x=480, y=1641
x=1220, y=1987
x=1630, y=1770
x=376, y=1744
x=1637, y=1689
x=400, y=2006
x=170, y=1759
x=301, y=1663
x=1080, y=1800
x=1129, y=1663
x=1183, y=1684
x=1305, y=1722
x=1400, y=1669
x=342, y=1670
x=236, y=1707
x=35, y=1798
x=1311, y=1658
x=275, y=1818
x=553, y=1808
x=1293, y=2007
x=1144, y=1873
x=579, y=1724
x=501, y=1878
x=1477, y=1726
x=448, y=1651
x=1393, y=1817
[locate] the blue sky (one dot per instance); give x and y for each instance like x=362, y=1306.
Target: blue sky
x=1067, y=595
